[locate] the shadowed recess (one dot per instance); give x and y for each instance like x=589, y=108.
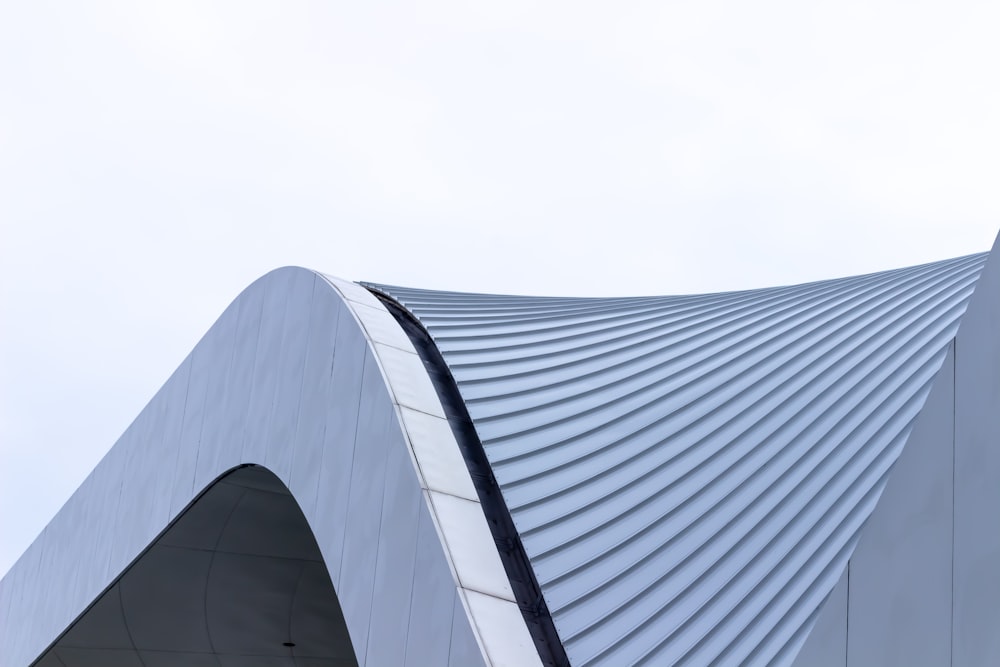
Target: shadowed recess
x=237, y=581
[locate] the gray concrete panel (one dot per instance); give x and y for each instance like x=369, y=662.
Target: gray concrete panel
x=315, y=400
x=205, y=520
x=291, y=364
x=826, y=642
x=215, y=451
x=465, y=652
x=188, y=444
x=240, y=397
x=138, y=470
x=84, y=657
x=18, y=588
x=313, y=607
x=146, y=457
x=341, y=426
x=163, y=421
x=172, y=396
x=103, y=626
x=256, y=661
x=367, y=485
x=258, y=525
x=172, y=659
x=900, y=572
x=230, y=388
x=154, y=627
x=265, y=371
x=394, y=567
x=95, y=532
x=38, y=589
x=247, y=595
x=976, y=584
x=427, y=637
x=17, y=640
x=207, y=598
x=50, y=660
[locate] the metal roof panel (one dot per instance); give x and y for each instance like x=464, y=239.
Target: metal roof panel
x=688, y=474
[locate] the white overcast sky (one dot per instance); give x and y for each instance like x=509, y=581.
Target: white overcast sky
x=157, y=157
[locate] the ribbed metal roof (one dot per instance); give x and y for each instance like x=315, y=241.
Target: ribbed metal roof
x=688, y=474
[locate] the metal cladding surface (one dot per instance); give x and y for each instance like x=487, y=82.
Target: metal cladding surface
x=689, y=474
x=163, y=556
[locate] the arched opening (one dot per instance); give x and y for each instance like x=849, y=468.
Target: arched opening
x=237, y=581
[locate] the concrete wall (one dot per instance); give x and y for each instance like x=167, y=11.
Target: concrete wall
x=313, y=379
x=923, y=584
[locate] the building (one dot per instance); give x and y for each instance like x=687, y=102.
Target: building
x=346, y=474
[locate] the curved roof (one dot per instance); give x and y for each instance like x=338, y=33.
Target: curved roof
x=163, y=556
x=689, y=474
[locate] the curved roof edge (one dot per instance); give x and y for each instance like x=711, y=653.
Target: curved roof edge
x=922, y=585
x=681, y=470
x=676, y=478
x=526, y=590
x=310, y=377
